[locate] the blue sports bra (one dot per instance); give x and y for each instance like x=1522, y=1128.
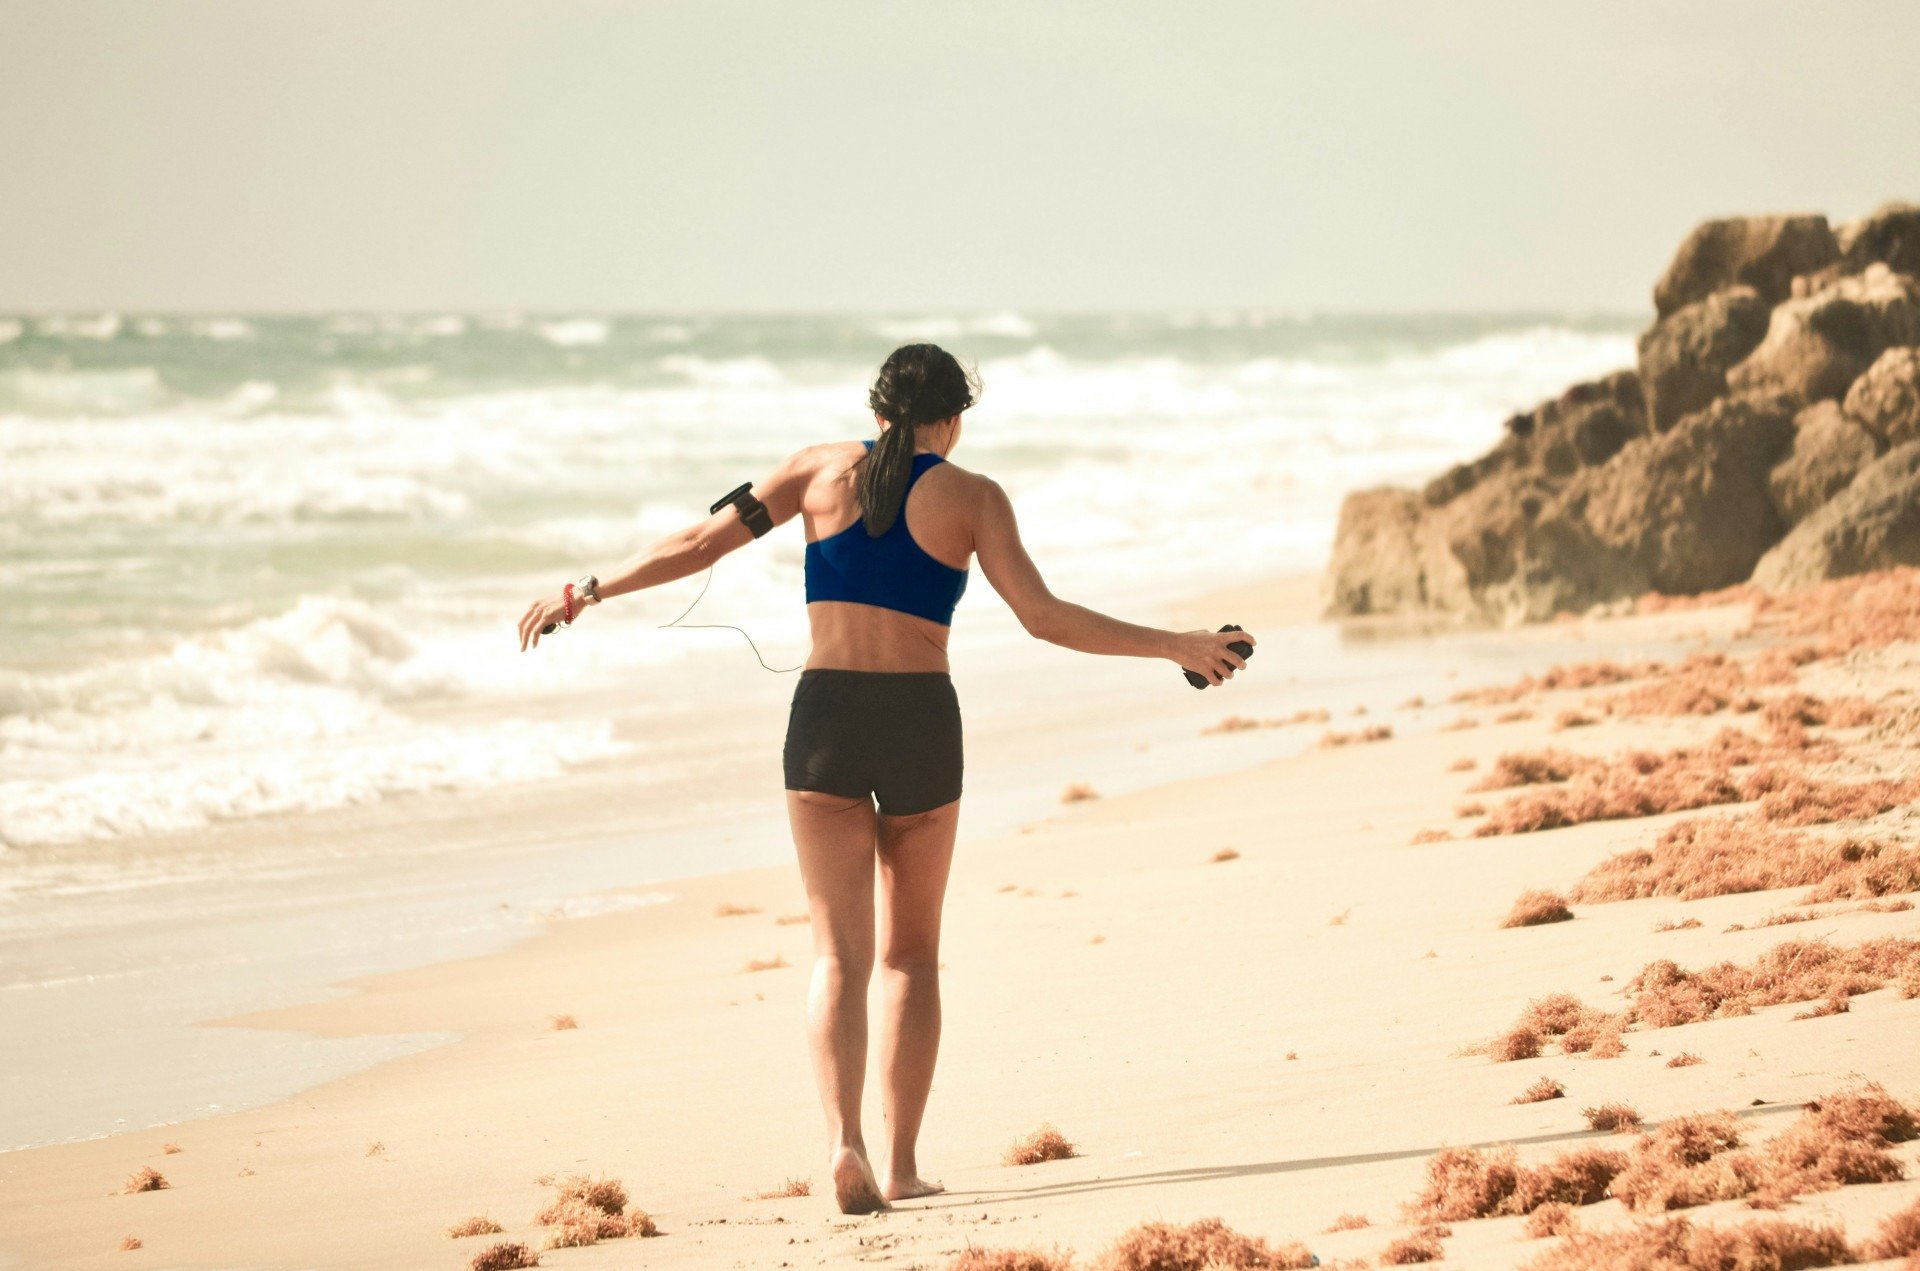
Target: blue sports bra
x=891, y=571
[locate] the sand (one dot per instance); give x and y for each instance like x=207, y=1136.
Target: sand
x=1273, y=1039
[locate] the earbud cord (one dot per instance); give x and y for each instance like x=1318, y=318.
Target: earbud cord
x=717, y=626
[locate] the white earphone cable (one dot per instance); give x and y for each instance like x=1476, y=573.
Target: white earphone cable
x=719, y=626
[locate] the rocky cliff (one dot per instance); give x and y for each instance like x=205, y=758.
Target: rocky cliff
x=1771, y=431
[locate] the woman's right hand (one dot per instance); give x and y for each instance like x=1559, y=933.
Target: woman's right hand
x=1206, y=654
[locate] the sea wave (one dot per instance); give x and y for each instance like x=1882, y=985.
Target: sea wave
x=172, y=793
x=103, y=326
x=111, y=391
x=573, y=333
x=325, y=667
x=738, y=372
x=311, y=708
x=224, y=329
x=239, y=466
x=255, y=482
x=1006, y=324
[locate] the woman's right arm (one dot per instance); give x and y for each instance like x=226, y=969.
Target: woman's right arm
x=1004, y=560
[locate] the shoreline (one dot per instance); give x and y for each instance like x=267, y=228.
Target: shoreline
x=419, y=878
x=1018, y=763
x=1103, y=973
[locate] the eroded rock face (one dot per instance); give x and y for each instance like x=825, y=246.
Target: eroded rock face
x=1817, y=345
x=1828, y=451
x=1682, y=511
x=1872, y=524
x=1583, y=426
x=1754, y=436
x=1376, y=555
x=1762, y=252
x=1685, y=357
x=1484, y=532
x=1509, y=453
x=1559, y=567
x=1891, y=234
x=1886, y=399
x=1690, y=508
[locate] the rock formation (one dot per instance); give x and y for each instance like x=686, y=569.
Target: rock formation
x=1829, y=449
x=1817, y=345
x=1872, y=524
x=1771, y=430
x=1763, y=252
x=1886, y=400
x=1685, y=357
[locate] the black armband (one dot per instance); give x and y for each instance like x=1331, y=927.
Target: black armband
x=751, y=510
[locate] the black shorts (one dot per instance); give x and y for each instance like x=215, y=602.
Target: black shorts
x=891, y=734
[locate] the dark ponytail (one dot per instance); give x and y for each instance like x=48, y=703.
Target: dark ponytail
x=918, y=384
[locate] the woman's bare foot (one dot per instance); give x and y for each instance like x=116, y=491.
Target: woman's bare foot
x=909, y=1187
x=853, y=1187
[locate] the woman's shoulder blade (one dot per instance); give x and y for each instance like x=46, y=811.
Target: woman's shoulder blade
x=830, y=458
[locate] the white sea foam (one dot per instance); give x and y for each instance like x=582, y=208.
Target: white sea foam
x=200, y=468
x=103, y=326
x=323, y=668
x=593, y=904
x=11, y=329
x=224, y=329
x=118, y=392
x=950, y=326
x=575, y=332
x=1163, y=456
x=310, y=708
x=252, y=397
x=163, y=793
x=739, y=372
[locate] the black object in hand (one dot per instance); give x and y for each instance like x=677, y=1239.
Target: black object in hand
x=1241, y=647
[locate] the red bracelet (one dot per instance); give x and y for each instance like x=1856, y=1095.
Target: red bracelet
x=566, y=598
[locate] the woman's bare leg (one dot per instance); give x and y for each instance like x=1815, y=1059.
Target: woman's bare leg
x=915, y=854
x=835, y=840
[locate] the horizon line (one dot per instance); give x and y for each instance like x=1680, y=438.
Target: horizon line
x=1050, y=311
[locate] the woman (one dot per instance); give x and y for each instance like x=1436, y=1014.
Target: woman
x=873, y=748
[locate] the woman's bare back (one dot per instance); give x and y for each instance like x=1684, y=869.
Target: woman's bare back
x=939, y=515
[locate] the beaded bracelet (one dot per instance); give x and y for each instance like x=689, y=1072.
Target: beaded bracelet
x=566, y=599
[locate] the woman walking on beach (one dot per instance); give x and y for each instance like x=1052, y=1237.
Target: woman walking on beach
x=873, y=746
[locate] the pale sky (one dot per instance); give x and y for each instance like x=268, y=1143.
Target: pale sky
x=753, y=155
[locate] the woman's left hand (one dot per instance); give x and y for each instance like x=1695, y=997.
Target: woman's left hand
x=541, y=613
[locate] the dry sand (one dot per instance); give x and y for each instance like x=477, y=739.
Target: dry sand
x=1271, y=1039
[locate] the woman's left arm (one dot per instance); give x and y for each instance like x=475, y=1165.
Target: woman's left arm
x=690, y=550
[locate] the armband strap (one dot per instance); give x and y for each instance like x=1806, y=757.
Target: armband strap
x=751, y=510
x=755, y=514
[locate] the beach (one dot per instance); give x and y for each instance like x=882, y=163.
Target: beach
x=1540, y=403
x=265, y=728
x=1233, y=980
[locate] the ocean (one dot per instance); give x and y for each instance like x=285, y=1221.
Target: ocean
x=249, y=564
x=265, y=726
